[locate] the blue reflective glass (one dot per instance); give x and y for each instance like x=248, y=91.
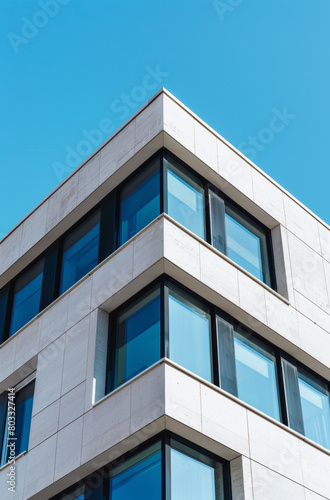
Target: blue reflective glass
x=138, y=337
x=23, y=402
x=256, y=375
x=193, y=479
x=140, y=202
x=246, y=244
x=27, y=294
x=185, y=198
x=189, y=334
x=315, y=406
x=80, y=252
x=139, y=478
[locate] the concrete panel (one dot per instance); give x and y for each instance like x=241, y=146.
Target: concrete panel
x=224, y=420
x=312, y=311
x=282, y=263
x=44, y=424
x=117, y=151
x=218, y=274
x=205, y=145
x=10, y=249
x=274, y=447
x=282, y=318
x=315, y=467
x=79, y=302
x=49, y=375
x=40, y=467
x=302, y=224
x=34, y=228
x=75, y=355
x=148, y=247
x=147, y=398
x=183, y=398
x=241, y=480
x=181, y=248
x=68, y=448
x=149, y=123
x=62, y=202
x=20, y=467
x=252, y=300
x=268, y=196
x=178, y=123
x=88, y=178
x=71, y=405
x=54, y=321
x=234, y=171
x=307, y=272
x=324, y=233
x=314, y=340
x=7, y=358
x=106, y=424
x=27, y=343
x=269, y=485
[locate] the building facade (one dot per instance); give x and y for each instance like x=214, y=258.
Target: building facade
x=165, y=327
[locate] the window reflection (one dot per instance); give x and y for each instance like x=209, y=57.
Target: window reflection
x=27, y=294
x=256, y=375
x=315, y=406
x=139, y=202
x=80, y=251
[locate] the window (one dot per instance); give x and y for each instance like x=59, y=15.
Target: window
x=247, y=244
x=80, y=251
x=189, y=333
x=15, y=407
x=26, y=297
x=136, y=340
x=185, y=197
x=138, y=477
x=164, y=467
x=139, y=201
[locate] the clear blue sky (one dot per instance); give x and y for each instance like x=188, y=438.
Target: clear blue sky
x=68, y=64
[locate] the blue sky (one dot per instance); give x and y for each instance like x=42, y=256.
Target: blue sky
x=72, y=66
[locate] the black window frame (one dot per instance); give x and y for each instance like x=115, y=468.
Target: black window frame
x=164, y=438
x=109, y=208
x=165, y=281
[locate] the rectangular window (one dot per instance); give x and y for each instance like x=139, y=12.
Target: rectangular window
x=256, y=374
x=27, y=295
x=189, y=324
x=139, y=201
x=80, y=251
x=15, y=409
x=247, y=244
x=137, y=338
x=184, y=197
x=163, y=467
x=315, y=405
x=139, y=477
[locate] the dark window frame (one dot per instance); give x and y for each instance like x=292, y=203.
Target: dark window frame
x=109, y=208
x=164, y=438
x=215, y=312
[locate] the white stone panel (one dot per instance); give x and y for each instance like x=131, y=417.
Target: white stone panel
x=316, y=467
x=54, y=321
x=302, y=224
x=44, y=424
x=324, y=233
x=71, y=405
x=206, y=145
x=33, y=228
x=88, y=178
x=7, y=358
x=269, y=485
x=268, y=196
x=40, y=467
x=178, y=123
x=149, y=123
x=79, y=302
x=148, y=247
x=282, y=318
x=68, y=449
x=312, y=311
x=10, y=249
x=241, y=480
x=75, y=356
x=252, y=300
x=234, y=170
x=314, y=340
x=27, y=343
x=62, y=202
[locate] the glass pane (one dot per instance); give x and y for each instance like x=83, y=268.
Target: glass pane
x=80, y=252
x=256, y=375
x=23, y=401
x=185, y=198
x=315, y=408
x=193, y=478
x=26, y=301
x=246, y=244
x=138, y=337
x=3, y=311
x=189, y=333
x=138, y=478
x=140, y=202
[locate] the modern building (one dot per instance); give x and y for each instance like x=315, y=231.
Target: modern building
x=165, y=327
